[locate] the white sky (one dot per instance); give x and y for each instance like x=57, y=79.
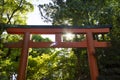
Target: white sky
x=34, y=17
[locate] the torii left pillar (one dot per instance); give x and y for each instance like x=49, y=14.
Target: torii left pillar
x=89, y=43
x=24, y=57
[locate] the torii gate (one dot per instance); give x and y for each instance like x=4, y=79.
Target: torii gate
x=26, y=43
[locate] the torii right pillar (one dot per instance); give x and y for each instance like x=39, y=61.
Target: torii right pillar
x=89, y=43
x=91, y=57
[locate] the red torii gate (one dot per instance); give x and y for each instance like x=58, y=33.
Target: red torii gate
x=26, y=43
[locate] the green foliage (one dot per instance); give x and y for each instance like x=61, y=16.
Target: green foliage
x=39, y=51
x=61, y=64
x=86, y=12
x=58, y=65
x=11, y=12
x=14, y=11
x=80, y=12
x=8, y=57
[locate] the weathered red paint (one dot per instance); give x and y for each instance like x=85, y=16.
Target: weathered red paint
x=24, y=57
x=58, y=38
x=91, y=57
x=55, y=30
x=82, y=44
x=89, y=43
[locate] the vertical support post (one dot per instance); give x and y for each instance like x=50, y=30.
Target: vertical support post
x=57, y=37
x=24, y=57
x=91, y=57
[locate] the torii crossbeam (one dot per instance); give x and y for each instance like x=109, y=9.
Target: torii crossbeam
x=26, y=43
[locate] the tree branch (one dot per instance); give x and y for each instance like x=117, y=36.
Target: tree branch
x=2, y=10
x=39, y=6
x=10, y=17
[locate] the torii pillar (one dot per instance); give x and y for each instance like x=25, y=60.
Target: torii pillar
x=24, y=57
x=91, y=56
x=89, y=43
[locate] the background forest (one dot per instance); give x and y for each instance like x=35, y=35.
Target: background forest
x=63, y=63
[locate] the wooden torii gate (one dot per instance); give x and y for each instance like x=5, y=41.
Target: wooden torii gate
x=26, y=43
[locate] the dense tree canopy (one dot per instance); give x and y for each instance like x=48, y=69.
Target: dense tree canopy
x=80, y=12
x=86, y=12
x=11, y=12
x=14, y=11
x=62, y=64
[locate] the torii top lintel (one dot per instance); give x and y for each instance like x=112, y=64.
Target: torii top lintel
x=49, y=29
x=89, y=43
